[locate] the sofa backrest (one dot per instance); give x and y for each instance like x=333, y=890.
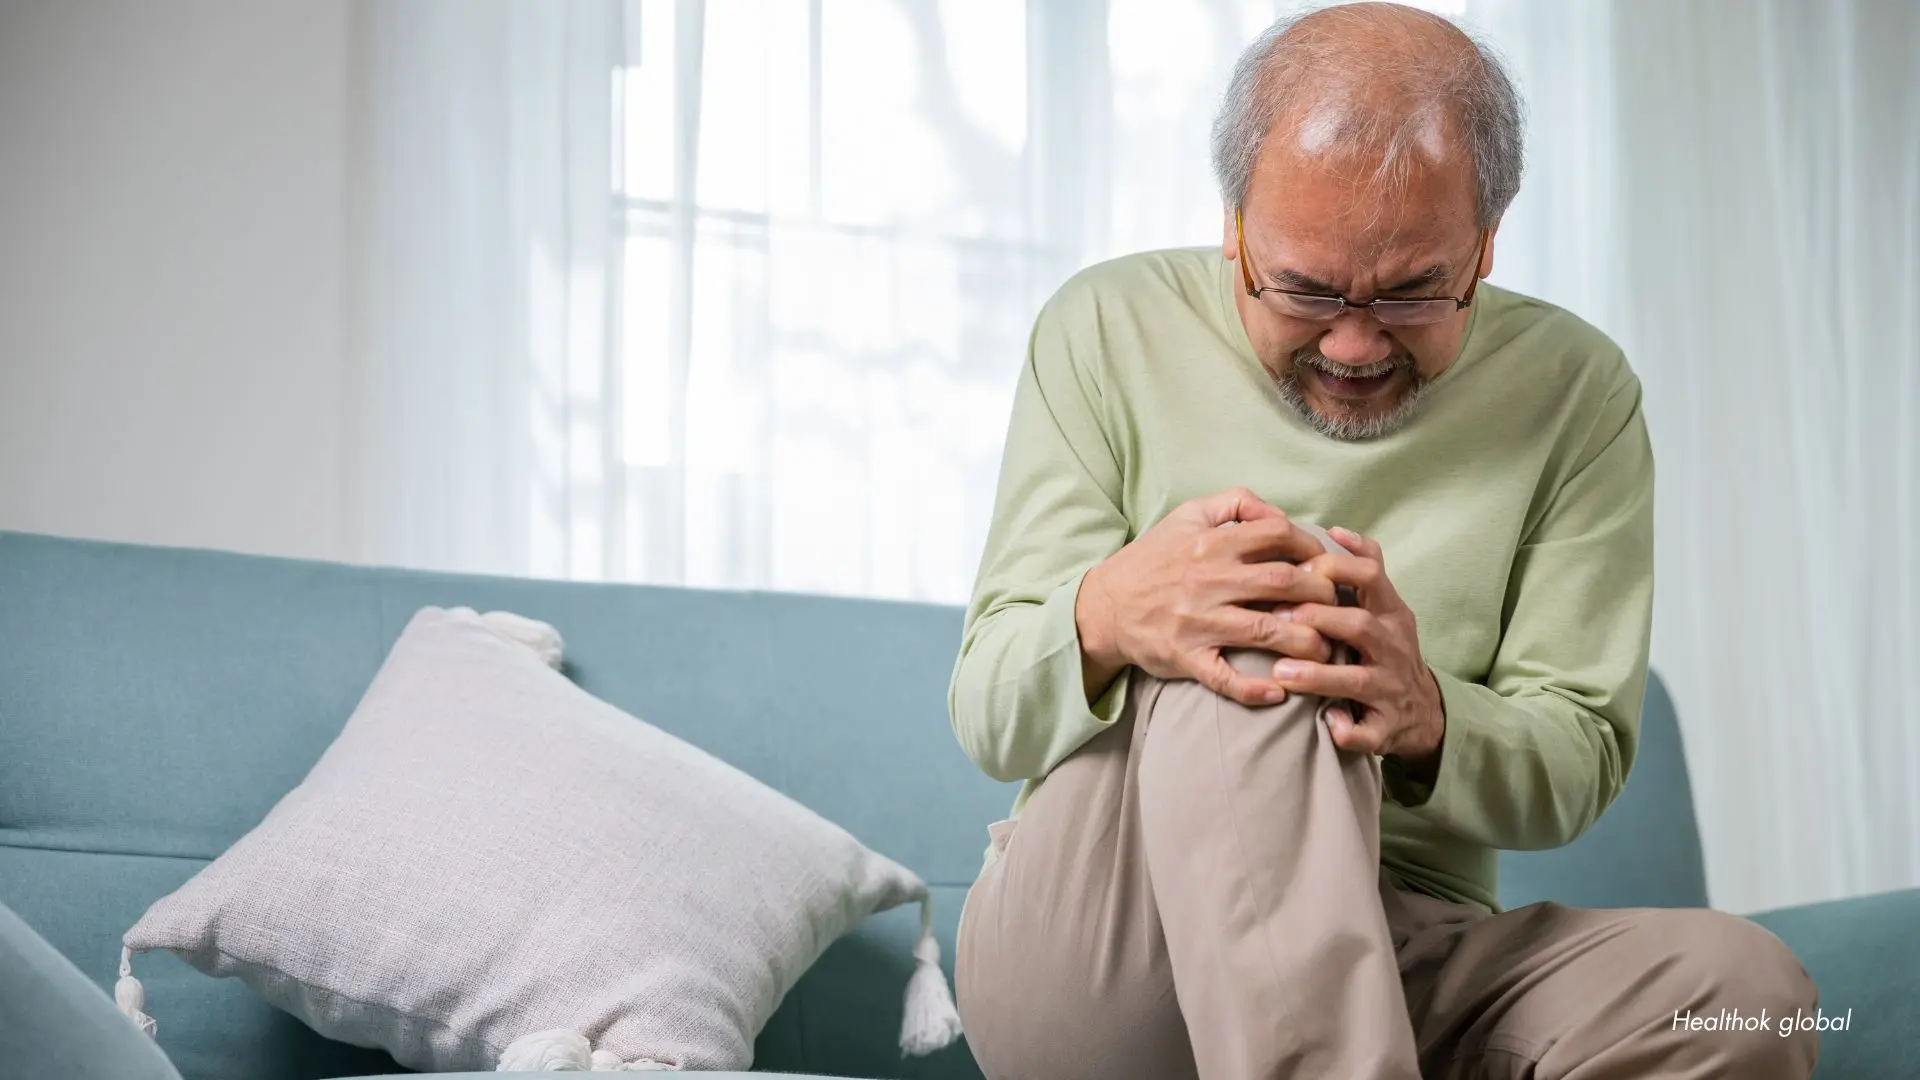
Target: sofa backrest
x=155, y=703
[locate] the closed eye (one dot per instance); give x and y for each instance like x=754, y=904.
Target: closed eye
x=1420, y=284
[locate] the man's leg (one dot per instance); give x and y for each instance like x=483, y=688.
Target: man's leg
x=1194, y=892
x=1548, y=992
x=1061, y=971
x=1263, y=840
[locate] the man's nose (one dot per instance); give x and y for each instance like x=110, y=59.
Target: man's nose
x=1356, y=340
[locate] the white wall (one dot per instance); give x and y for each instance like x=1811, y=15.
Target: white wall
x=173, y=359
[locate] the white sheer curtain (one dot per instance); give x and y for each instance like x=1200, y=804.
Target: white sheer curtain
x=1770, y=165
x=734, y=292
x=484, y=260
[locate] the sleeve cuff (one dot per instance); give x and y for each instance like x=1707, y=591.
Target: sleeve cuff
x=1052, y=701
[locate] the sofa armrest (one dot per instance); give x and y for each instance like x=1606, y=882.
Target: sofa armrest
x=1863, y=954
x=55, y=1023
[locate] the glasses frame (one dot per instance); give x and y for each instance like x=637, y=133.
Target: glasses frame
x=1372, y=307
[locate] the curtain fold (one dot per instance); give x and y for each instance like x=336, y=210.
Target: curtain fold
x=483, y=255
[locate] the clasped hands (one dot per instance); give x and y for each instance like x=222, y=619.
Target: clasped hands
x=1186, y=589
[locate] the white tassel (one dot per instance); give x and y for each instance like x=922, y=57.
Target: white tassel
x=561, y=1050
x=931, y=1022
x=543, y=639
x=131, y=996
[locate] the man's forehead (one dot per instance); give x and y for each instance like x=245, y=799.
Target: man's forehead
x=1312, y=212
x=1384, y=230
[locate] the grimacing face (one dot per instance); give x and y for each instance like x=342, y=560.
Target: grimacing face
x=1316, y=224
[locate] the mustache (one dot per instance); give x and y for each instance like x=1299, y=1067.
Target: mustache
x=1310, y=356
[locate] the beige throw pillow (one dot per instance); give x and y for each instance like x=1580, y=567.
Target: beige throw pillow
x=491, y=867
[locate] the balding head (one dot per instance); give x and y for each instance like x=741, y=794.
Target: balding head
x=1378, y=91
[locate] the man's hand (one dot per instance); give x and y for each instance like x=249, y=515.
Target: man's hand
x=1402, y=713
x=1168, y=602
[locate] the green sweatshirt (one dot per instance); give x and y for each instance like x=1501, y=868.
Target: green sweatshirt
x=1515, y=511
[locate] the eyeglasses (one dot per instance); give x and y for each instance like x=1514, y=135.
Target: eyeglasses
x=1420, y=311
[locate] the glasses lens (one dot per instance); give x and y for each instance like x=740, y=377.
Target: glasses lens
x=1413, y=312
x=1318, y=308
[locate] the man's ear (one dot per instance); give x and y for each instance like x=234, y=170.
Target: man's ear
x=1486, y=256
x=1228, y=245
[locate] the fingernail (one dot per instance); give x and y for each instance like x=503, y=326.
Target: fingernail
x=1285, y=669
x=1274, y=695
x=1284, y=615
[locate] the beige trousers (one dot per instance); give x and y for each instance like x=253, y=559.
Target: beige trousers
x=1197, y=893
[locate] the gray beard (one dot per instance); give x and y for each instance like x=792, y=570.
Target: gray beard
x=1348, y=429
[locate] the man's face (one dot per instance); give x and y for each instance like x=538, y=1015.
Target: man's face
x=1317, y=224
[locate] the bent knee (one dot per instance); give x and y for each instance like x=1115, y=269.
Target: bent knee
x=1736, y=954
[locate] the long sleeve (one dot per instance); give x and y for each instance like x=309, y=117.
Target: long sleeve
x=1017, y=699
x=1534, y=755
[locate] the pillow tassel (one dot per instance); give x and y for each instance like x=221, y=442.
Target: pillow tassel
x=931, y=1022
x=561, y=1050
x=131, y=996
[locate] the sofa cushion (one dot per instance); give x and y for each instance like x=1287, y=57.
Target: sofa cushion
x=487, y=852
x=1863, y=954
x=56, y=1023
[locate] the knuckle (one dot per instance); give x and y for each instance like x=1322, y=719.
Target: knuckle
x=1304, y=643
x=1322, y=648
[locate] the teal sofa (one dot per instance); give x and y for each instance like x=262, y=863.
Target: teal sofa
x=154, y=703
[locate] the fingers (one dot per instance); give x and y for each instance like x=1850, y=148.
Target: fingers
x=1364, y=573
x=1328, y=680
x=1275, y=582
x=1275, y=633
x=1352, y=736
x=1214, y=672
x=1268, y=540
x=1339, y=684
x=1356, y=544
x=1234, y=504
x=1355, y=626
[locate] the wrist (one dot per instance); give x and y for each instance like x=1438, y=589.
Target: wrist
x=1422, y=762
x=1093, y=620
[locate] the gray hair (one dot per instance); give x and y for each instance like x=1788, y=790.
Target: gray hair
x=1479, y=93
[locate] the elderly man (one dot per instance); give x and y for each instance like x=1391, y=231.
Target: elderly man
x=1268, y=767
